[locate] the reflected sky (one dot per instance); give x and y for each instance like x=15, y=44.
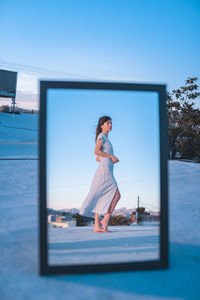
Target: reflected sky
x=72, y=117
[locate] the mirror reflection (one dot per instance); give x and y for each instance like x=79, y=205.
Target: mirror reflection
x=103, y=176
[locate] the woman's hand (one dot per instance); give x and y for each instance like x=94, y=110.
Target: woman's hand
x=97, y=158
x=114, y=159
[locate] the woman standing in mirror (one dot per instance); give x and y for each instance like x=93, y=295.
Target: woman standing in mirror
x=104, y=193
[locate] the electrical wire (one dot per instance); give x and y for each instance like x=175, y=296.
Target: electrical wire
x=38, y=70
x=149, y=205
x=18, y=127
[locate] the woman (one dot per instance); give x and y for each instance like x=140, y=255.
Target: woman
x=104, y=193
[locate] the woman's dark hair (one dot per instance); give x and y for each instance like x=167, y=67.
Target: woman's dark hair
x=101, y=121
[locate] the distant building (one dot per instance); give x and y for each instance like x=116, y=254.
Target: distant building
x=51, y=218
x=8, y=86
x=72, y=223
x=133, y=218
x=62, y=221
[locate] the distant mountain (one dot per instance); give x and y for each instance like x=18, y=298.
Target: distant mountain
x=71, y=210
x=52, y=211
x=123, y=211
x=154, y=213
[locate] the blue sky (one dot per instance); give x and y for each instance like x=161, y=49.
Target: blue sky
x=116, y=40
x=138, y=41
x=71, y=162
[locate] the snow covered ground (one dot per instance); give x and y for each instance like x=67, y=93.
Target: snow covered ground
x=18, y=135
x=19, y=247
x=79, y=245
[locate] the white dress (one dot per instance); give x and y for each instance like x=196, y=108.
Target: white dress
x=104, y=185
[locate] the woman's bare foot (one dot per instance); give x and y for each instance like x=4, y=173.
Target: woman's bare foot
x=104, y=224
x=98, y=229
x=97, y=225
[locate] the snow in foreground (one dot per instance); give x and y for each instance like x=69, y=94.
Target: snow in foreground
x=19, y=233
x=18, y=135
x=80, y=245
x=19, y=244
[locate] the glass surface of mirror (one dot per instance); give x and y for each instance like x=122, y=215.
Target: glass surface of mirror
x=76, y=175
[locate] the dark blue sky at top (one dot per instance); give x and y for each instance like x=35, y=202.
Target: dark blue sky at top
x=138, y=41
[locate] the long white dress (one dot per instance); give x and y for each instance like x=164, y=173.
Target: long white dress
x=104, y=185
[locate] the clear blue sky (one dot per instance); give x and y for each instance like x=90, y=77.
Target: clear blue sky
x=136, y=41
x=71, y=162
x=139, y=41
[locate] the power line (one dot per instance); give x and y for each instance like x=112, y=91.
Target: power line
x=149, y=205
x=19, y=127
x=21, y=158
x=126, y=181
x=76, y=185
x=38, y=70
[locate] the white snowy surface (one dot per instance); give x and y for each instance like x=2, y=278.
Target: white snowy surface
x=80, y=245
x=18, y=135
x=19, y=246
x=18, y=127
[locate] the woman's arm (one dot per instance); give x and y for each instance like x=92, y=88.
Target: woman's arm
x=98, y=152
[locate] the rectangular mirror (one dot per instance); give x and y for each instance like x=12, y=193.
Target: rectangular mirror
x=104, y=201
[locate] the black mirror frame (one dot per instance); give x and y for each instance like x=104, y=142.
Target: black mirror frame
x=162, y=263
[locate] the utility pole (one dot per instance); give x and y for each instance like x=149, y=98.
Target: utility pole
x=138, y=215
x=13, y=104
